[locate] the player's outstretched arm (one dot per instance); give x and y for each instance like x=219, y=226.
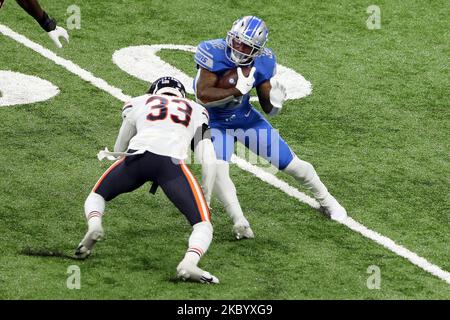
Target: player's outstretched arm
x=33, y=8
x=271, y=95
x=208, y=94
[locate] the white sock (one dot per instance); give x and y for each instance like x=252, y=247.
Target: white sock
x=226, y=192
x=199, y=242
x=305, y=173
x=94, y=207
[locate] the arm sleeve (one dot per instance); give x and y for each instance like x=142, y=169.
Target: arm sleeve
x=126, y=132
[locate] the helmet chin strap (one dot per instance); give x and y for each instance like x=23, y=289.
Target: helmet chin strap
x=240, y=61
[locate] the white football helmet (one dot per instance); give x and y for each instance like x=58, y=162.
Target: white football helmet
x=246, y=40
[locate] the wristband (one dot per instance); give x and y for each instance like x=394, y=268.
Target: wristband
x=47, y=23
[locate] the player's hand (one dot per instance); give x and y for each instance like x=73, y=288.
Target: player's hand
x=277, y=96
x=56, y=34
x=245, y=84
x=102, y=154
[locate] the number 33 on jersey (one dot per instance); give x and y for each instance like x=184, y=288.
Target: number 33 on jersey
x=161, y=124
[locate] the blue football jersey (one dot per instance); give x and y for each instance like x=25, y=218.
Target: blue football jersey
x=212, y=56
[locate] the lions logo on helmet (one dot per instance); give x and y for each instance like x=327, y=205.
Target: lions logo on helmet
x=246, y=40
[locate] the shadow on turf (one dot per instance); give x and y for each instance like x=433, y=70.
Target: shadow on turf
x=42, y=252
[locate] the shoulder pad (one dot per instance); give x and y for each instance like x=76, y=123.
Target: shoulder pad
x=130, y=105
x=266, y=66
x=211, y=55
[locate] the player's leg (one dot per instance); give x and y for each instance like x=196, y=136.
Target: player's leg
x=305, y=173
x=224, y=187
x=181, y=187
x=121, y=177
x=274, y=149
x=225, y=190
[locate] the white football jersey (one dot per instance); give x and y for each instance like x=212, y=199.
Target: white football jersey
x=164, y=124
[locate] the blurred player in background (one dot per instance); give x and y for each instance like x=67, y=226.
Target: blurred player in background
x=47, y=23
x=154, y=138
x=229, y=108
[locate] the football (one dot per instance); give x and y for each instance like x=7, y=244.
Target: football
x=229, y=78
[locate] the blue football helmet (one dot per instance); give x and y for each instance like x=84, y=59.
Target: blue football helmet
x=246, y=40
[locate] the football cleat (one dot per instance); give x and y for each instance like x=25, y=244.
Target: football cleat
x=90, y=239
x=242, y=230
x=331, y=207
x=189, y=271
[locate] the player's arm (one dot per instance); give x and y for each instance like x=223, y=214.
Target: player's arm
x=33, y=8
x=208, y=93
x=271, y=95
x=126, y=132
x=47, y=23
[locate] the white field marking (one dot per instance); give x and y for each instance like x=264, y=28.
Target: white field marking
x=349, y=222
x=67, y=64
x=241, y=163
x=18, y=88
x=143, y=63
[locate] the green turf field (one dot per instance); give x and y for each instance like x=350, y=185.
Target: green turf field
x=376, y=127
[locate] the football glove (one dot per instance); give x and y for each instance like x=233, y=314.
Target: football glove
x=56, y=34
x=245, y=84
x=277, y=96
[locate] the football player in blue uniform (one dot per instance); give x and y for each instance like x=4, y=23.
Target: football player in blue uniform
x=233, y=118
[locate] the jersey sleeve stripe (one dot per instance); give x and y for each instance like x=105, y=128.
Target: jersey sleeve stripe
x=127, y=107
x=201, y=64
x=204, y=59
x=206, y=53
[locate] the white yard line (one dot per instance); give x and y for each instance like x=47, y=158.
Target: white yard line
x=349, y=222
x=67, y=64
x=241, y=163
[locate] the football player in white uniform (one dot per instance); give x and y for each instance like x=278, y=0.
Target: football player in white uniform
x=154, y=138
